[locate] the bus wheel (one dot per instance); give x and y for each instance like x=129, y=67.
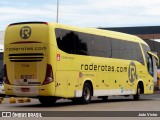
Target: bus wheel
x=137, y=95
x=49, y=100
x=86, y=95
x=2, y=95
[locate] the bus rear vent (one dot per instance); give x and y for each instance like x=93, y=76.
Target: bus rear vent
x=26, y=57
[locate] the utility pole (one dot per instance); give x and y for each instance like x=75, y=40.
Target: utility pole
x=57, y=10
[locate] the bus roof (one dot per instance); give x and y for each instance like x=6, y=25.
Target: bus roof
x=95, y=31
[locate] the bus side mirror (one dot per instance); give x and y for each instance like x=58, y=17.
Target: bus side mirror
x=155, y=56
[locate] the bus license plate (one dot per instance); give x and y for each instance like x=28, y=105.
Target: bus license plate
x=25, y=89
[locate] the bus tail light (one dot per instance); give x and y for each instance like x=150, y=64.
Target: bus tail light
x=5, y=77
x=49, y=75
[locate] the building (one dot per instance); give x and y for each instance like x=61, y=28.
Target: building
x=1, y=37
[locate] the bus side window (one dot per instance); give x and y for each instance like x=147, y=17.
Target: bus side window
x=150, y=65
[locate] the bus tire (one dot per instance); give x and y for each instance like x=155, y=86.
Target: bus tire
x=2, y=95
x=86, y=94
x=136, y=97
x=47, y=101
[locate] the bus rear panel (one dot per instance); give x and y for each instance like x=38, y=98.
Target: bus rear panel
x=26, y=48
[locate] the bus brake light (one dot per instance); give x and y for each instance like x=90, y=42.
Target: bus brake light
x=5, y=77
x=49, y=75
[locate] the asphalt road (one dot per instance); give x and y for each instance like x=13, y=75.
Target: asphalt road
x=114, y=103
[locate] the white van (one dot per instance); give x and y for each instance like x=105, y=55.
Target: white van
x=2, y=92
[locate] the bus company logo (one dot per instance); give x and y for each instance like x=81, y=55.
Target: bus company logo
x=132, y=72
x=25, y=32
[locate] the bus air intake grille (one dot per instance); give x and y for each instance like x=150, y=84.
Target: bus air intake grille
x=26, y=57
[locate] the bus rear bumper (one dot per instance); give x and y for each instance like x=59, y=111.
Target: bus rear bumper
x=31, y=91
x=24, y=91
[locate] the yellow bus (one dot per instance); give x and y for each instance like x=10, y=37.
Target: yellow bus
x=51, y=61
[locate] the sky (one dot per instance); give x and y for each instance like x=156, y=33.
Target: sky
x=82, y=13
